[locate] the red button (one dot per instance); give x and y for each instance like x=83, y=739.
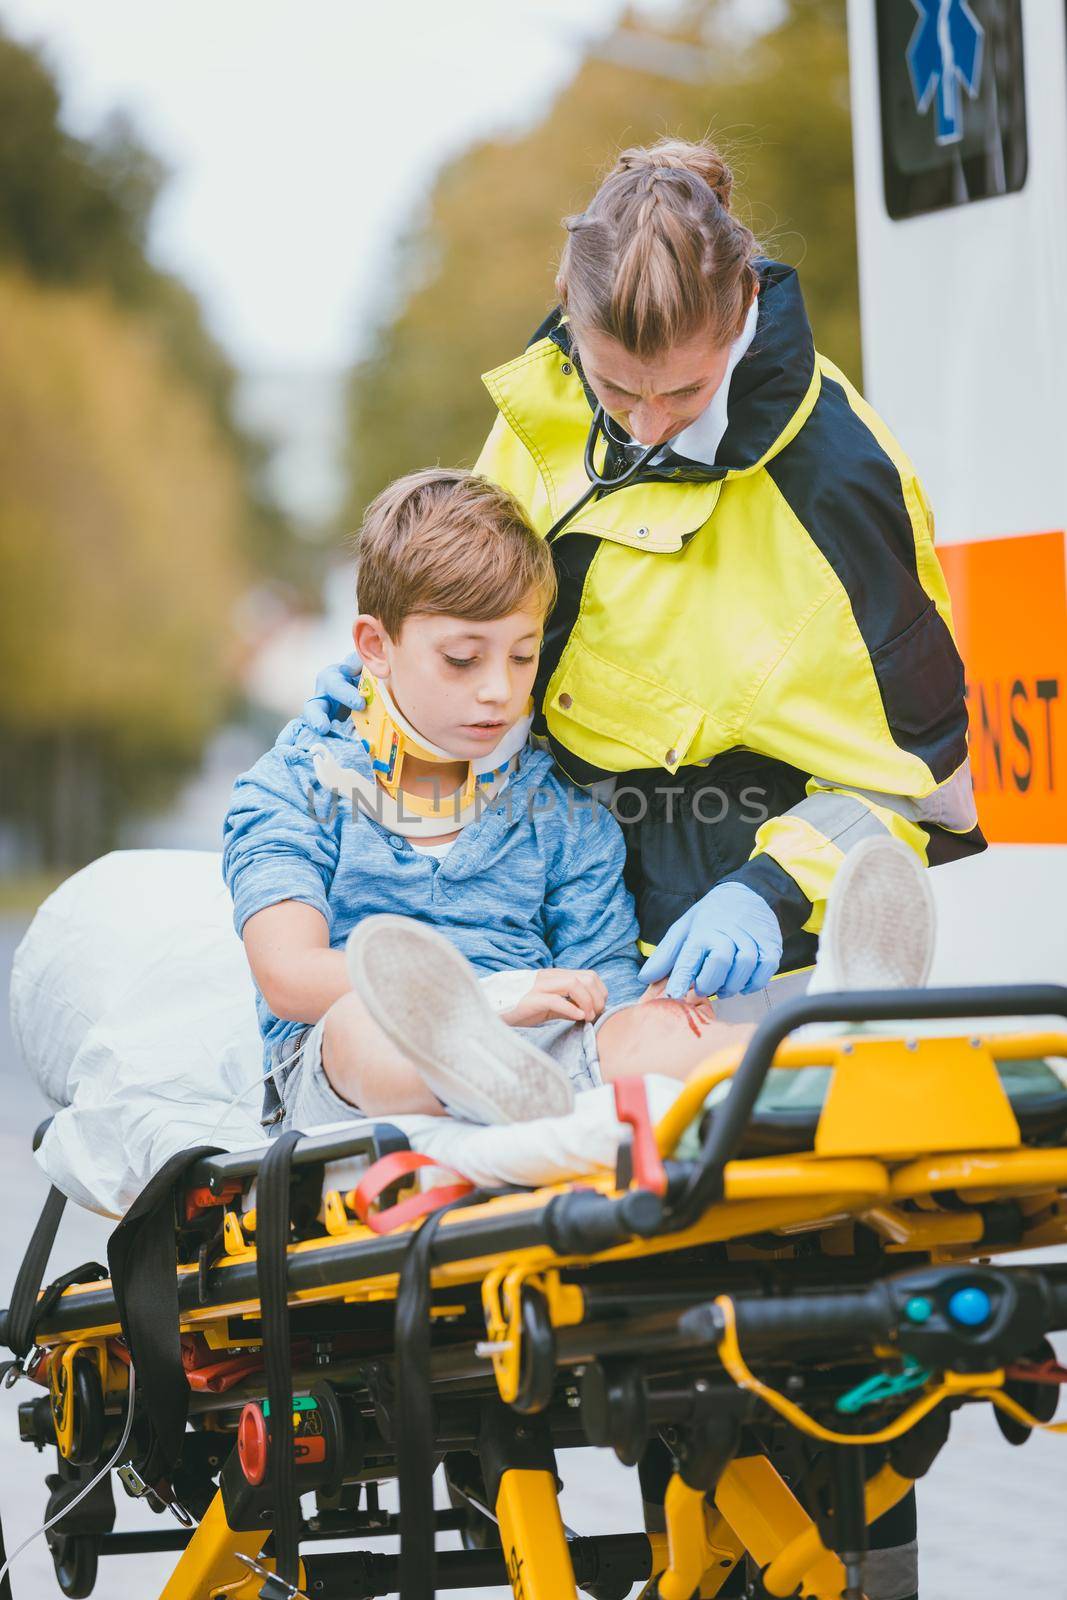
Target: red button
x=252, y=1441
x=311, y=1448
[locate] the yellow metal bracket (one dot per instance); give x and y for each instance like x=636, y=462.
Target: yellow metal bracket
x=533, y=1537
x=897, y=1098
x=502, y=1290
x=113, y=1374
x=335, y=1215
x=234, y=1242
x=702, y=1548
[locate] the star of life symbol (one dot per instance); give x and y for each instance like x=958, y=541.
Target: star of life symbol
x=945, y=51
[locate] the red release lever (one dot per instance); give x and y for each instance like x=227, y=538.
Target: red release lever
x=631, y=1106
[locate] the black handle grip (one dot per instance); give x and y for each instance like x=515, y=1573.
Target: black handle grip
x=814, y=1318
x=584, y=1222
x=732, y=1116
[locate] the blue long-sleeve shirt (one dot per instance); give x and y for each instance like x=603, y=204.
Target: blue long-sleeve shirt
x=535, y=881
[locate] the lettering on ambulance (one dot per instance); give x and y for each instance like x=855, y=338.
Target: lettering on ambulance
x=1009, y=599
x=1011, y=758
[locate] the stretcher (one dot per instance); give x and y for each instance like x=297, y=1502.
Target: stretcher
x=777, y=1327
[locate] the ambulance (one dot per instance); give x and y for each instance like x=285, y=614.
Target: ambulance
x=959, y=115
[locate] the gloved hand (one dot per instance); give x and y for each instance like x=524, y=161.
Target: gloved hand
x=335, y=691
x=728, y=943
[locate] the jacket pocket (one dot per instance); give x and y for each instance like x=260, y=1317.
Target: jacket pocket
x=920, y=675
x=616, y=718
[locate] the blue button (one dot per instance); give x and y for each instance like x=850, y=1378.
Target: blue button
x=971, y=1307
x=919, y=1309
x=396, y=841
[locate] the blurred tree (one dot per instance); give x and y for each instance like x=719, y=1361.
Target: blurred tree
x=78, y=211
x=133, y=508
x=476, y=274
x=121, y=514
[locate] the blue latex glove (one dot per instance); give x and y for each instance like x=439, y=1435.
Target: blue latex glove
x=335, y=692
x=728, y=943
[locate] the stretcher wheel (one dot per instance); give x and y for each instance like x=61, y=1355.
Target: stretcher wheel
x=464, y=1479
x=1040, y=1399
x=538, y=1376
x=75, y=1557
x=87, y=1442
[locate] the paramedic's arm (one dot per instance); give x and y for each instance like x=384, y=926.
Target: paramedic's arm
x=280, y=846
x=931, y=807
x=797, y=854
x=889, y=732
x=296, y=972
x=588, y=914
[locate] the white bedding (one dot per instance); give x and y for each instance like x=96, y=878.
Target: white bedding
x=133, y=1007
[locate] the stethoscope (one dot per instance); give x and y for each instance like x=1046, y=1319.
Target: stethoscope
x=600, y=482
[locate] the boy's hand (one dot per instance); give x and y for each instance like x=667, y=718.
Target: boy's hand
x=578, y=995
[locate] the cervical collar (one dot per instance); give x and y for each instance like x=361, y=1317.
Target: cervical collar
x=388, y=738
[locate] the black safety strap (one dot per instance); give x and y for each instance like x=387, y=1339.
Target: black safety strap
x=413, y=1427
x=273, y=1220
x=143, y=1258
x=22, y=1313
x=28, y=1305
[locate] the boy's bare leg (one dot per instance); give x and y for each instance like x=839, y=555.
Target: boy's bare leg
x=366, y=1069
x=668, y=1036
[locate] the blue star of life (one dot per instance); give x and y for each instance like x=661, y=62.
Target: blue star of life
x=945, y=51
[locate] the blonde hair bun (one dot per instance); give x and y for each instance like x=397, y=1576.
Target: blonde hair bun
x=657, y=256
x=701, y=158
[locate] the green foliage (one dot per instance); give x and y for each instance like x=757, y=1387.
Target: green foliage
x=64, y=213
x=76, y=211
x=121, y=516
x=132, y=508
x=477, y=272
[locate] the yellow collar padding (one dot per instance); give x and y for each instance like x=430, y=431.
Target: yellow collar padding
x=388, y=738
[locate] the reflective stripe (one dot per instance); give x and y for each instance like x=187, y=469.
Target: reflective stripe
x=892, y=1574
x=810, y=859
x=951, y=805
x=810, y=840
x=886, y=819
x=839, y=816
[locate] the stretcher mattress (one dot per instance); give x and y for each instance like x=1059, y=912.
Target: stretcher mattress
x=133, y=1008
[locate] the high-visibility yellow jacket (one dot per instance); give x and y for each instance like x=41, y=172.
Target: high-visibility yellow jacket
x=785, y=605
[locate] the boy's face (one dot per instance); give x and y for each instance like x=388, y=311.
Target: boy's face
x=461, y=684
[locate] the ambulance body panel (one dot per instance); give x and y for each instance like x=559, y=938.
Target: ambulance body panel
x=959, y=118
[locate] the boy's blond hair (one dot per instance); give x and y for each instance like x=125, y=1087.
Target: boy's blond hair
x=445, y=542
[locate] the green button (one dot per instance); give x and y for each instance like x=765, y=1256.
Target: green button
x=919, y=1309
x=301, y=1402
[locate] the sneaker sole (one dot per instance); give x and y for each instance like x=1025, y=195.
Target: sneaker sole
x=424, y=996
x=880, y=919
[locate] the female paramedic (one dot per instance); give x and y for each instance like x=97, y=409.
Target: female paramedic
x=753, y=634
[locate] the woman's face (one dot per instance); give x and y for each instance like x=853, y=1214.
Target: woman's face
x=654, y=399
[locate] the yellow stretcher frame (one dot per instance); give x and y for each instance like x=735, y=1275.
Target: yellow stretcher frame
x=906, y=1120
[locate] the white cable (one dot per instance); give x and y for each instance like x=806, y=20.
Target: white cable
x=80, y=1496
x=259, y=1084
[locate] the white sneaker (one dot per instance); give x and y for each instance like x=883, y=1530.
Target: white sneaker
x=424, y=996
x=878, y=932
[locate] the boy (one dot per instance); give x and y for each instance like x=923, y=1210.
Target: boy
x=433, y=804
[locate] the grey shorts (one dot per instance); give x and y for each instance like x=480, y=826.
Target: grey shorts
x=309, y=1100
